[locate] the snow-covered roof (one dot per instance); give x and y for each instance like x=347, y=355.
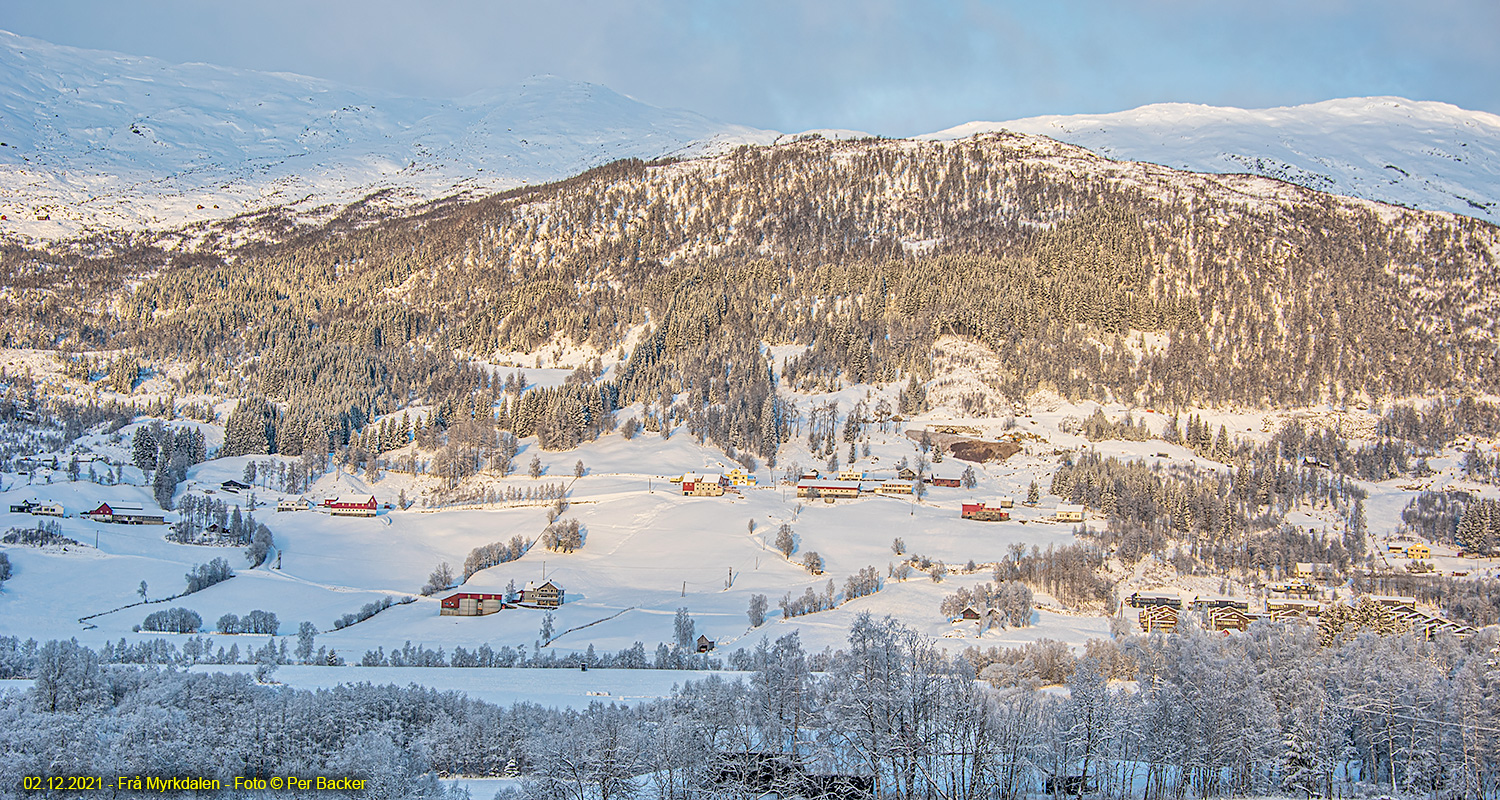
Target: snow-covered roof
x=827, y=484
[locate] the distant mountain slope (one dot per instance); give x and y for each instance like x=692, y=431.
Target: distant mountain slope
x=103, y=139
x=1418, y=154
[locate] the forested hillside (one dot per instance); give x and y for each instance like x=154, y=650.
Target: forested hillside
x=1090, y=277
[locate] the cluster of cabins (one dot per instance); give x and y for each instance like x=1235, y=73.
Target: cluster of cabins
x=853, y=482
x=546, y=594
x=1404, y=550
x=116, y=513
x=357, y=506
x=36, y=509
x=695, y=485
x=1159, y=611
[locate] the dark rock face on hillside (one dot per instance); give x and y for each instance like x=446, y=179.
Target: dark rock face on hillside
x=983, y=452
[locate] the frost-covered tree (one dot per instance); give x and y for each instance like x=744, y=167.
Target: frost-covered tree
x=812, y=562
x=784, y=540
x=757, y=610
x=251, y=428
x=143, y=448
x=306, y=640
x=440, y=579
x=683, y=628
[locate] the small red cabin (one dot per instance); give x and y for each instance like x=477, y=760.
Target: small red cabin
x=949, y=482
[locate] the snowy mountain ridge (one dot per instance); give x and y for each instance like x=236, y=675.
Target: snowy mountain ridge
x=107, y=140
x=1419, y=154
x=91, y=139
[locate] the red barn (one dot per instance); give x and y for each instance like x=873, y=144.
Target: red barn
x=123, y=515
x=351, y=506
x=981, y=511
x=949, y=482
x=472, y=604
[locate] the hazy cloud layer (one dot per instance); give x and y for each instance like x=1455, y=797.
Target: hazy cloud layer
x=882, y=66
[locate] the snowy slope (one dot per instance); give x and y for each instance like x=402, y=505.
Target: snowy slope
x=648, y=551
x=103, y=139
x=1420, y=154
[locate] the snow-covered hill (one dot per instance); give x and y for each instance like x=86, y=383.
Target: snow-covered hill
x=1419, y=154
x=102, y=139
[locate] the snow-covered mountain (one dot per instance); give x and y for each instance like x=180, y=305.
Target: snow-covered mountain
x=96, y=139
x=101, y=139
x=1419, y=154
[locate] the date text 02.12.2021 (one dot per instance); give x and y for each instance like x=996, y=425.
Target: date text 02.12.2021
x=61, y=783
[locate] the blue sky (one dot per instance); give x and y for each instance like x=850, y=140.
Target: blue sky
x=885, y=67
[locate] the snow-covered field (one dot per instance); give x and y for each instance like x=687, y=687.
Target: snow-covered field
x=647, y=552
x=553, y=688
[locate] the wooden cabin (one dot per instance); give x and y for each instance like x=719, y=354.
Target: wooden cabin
x=1285, y=609
x=702, y=486
x=1229, y=619
x=1210, y=602
x=294, y=504
x=1153, y=599
x=1314, y=569
x=544, y=595
x=894, y=487
x=1394, y=601
x=1158, y=618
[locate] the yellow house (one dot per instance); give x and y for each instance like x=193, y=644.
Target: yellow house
x=848, y=474
x=738, y=477
x=1419, y=551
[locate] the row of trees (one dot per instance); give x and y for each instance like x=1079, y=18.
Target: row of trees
x=1269, y=712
